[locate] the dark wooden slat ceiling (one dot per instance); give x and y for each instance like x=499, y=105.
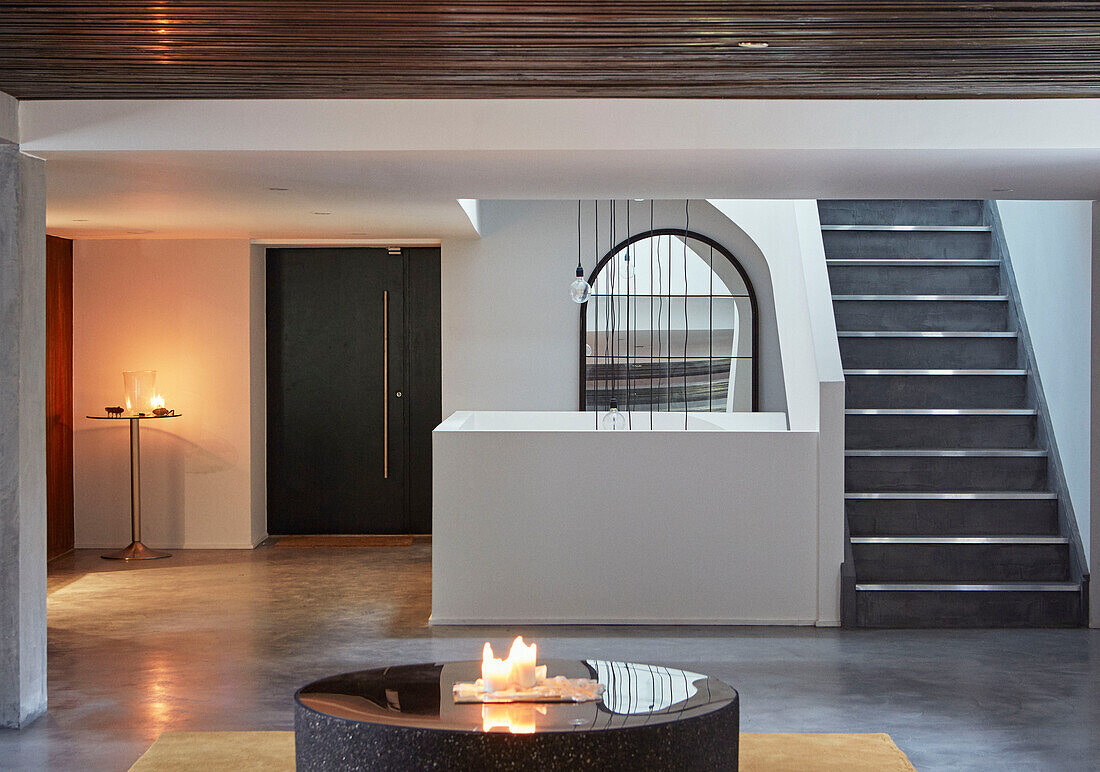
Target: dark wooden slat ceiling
x=630, y=48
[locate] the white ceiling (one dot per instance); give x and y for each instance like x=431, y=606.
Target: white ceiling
x=171, y=195
x=393, y=169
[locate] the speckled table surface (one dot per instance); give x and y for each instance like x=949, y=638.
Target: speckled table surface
x=404, y=717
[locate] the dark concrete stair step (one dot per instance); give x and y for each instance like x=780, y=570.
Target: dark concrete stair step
x=935, y=388
x=894, y=277
x=961, y=558
x=994, y=469
x=928, y=349
x=903, y=241
x=940, y=428
x=913, y=312
x=985, y=513
x=1001, y=604
x=899, y=212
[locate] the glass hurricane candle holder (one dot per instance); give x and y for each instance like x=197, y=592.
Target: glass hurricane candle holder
x=140, y=390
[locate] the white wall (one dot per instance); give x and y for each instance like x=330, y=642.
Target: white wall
x=181, y=308
x=1094, y=489
x=1050, y=246
x=789, y=235
x=510, y=332
x=574, y=526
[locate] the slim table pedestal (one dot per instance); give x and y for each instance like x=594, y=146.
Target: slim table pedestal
x=136, y=550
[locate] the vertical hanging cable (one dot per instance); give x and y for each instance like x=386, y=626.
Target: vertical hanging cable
x=596, y=320
x=710, y=323
x=687, y=328
x=649, y=244
x=629, y=326
x=668, y=288
x=614, y=302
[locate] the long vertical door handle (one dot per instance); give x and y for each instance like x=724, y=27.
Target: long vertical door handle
x=385, y=384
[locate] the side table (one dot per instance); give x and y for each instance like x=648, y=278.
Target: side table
x=136, y=550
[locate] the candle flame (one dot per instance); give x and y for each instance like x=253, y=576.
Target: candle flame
x=156, y=401
x=519, y=649
x=518, y=669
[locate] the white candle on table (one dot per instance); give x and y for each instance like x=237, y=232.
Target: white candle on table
x=522, y=658
x=495, y=673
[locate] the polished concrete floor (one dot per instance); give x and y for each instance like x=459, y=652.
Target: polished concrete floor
x=212, y=640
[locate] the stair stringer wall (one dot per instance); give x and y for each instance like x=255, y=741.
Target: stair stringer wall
x=1067, y=520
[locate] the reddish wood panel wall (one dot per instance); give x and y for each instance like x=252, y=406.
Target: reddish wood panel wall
x=59, y=396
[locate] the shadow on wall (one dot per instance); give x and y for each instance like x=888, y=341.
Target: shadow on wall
x=103, y=511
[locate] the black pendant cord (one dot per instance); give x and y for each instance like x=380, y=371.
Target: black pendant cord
x=580, y=268
x=687, y=327
x=630, y=386
x=596, y=391
x=669, y=289
x=710, y=337
x=649, y=243
x=596, y=319
x=609, y=330
x=615, y=317
x=614, y=304
x=656, y=290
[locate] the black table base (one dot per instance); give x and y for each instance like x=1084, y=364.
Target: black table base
x=367, y=721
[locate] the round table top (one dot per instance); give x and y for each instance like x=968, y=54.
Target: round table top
x=420, y=696
x=128, y=417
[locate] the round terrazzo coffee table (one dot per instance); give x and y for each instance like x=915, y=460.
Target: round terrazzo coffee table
x=403, y=718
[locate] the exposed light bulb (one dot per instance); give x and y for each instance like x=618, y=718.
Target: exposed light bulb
x=629, y=264
x=579, y=289
x=614, y=420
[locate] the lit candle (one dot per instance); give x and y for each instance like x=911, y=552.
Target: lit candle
x=522, y=658
x=495, y=673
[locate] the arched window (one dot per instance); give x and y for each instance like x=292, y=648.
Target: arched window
x=671, y=325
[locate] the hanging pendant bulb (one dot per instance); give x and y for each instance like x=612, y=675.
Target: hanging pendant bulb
x=614, y=420
x=629, y=264
x=579, y=289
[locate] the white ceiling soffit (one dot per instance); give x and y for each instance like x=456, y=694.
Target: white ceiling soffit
x=397, y=168
x=558, y=124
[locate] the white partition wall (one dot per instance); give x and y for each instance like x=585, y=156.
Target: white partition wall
x=539, y=518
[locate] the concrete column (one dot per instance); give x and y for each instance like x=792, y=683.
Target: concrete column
x=22, y=437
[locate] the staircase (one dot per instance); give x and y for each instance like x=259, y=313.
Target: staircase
x=951, y=512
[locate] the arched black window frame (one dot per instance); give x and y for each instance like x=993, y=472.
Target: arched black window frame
x=686, y=234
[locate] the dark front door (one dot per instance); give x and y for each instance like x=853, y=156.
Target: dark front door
x=353, y=389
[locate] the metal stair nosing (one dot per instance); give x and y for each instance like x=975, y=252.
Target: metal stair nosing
x=962, y=496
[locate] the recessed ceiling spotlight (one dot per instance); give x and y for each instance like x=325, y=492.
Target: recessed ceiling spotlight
x=639, y=199
x=752, y=44
x=322, y=212
x=278, y=188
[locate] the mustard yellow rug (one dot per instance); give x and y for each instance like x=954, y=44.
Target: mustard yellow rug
x=274, y=752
